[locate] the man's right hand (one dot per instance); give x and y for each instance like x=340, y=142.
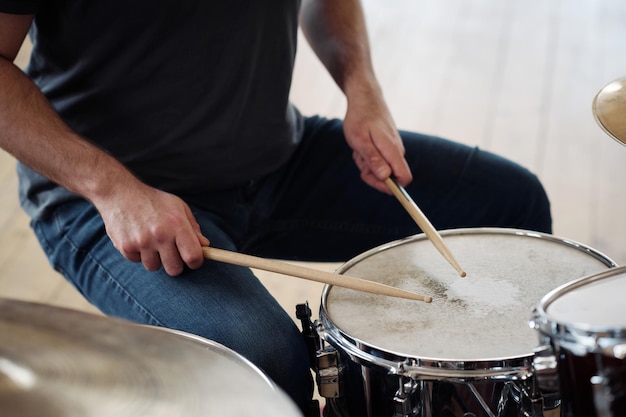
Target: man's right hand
x=153, y=227
x=146, y=225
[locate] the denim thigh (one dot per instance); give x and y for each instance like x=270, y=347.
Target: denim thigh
x=318, y=208
x=221, y=302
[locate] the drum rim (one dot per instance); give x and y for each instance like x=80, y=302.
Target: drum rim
x=589, y=335
x=510, y=367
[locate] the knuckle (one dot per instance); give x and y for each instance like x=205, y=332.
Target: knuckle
x=151, y=267
x=174, y=269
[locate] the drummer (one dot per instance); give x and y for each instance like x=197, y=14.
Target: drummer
x=146, y=130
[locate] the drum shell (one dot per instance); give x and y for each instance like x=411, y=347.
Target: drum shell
x=590, y=357
x=381, y=369
x=369, y=390
x=576, y=389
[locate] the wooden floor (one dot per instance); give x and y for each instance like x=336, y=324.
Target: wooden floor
x=516, y=77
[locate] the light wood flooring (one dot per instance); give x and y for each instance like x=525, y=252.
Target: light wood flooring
x=516, y=77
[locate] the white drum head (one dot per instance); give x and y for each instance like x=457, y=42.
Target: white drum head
x=597, y=302
x=482, y=317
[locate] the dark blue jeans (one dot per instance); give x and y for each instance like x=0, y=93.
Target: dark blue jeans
x=314, y=208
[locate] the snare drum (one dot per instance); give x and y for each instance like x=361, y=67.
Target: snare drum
x=584, y=324
x=469, y=352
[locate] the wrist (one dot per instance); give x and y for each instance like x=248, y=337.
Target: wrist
x=106, y=182
x=362, y=86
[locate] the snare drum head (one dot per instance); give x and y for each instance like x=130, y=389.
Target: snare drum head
x=60, y=362
x=482, y=317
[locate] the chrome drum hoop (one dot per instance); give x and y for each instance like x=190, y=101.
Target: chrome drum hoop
x=593, y=338
x=514, y=369
x=517, y=367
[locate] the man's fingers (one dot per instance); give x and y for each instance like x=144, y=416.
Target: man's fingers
x=150, y=260
x=391, y=150
x=382, y=158
x=190, y=251
x=158, y=230
x=369, y=158
x=204, y=241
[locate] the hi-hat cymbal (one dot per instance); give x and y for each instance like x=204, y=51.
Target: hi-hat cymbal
x=609, y=109
x=64, y=363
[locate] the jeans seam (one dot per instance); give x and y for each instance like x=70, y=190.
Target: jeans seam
x=116, y=286
x=126, y=296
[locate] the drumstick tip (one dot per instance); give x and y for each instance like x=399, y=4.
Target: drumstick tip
x=462, y=274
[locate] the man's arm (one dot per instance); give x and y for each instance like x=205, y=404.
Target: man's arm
x=146, y=225
x=337, y=33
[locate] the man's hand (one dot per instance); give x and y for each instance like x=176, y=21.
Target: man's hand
x=145, y=225
x=155, y=228
x=336, y=31
x=372, y=134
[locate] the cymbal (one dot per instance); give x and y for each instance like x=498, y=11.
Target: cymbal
x=65, y=363
x=609, y=109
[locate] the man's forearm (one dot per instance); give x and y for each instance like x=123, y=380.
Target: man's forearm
x=32, y=131
x=337, y=33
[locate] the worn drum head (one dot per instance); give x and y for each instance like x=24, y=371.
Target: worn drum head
x=482, y=317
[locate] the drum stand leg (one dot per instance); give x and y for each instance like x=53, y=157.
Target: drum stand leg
x=528, y=397
x=501, y=403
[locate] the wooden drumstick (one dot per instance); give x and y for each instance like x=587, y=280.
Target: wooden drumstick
x=423, y=222
x=339, y=280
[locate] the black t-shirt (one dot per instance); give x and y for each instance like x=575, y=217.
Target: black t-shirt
x=191, y=95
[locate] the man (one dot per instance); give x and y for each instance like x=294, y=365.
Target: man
x=148, y=129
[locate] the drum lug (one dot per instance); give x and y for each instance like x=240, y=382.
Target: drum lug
x=405, y=404
x=607, y=391
x=543, y=388
x=329, y=373
x=545, y=369
x=602, y=395
x=608, y=388
x=617, y=351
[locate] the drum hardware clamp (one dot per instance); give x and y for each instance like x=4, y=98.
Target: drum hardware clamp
x=545, y=369
x=324, y=359
x=404, y=400
x=330, y=373
x=532, y=400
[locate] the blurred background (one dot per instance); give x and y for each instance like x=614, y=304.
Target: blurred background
x=515, y=77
